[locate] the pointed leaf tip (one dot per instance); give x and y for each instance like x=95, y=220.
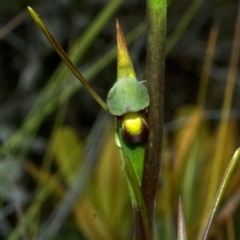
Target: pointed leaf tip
x=125, y=67
x=181, y=222
x=32, y=12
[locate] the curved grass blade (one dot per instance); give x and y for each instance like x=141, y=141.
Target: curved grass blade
x=65, y=58
x=220, y=192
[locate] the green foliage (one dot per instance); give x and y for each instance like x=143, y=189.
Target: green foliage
x=196, y=154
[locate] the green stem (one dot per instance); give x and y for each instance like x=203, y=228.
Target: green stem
x=156, y=48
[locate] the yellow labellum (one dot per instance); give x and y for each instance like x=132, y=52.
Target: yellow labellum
x=133, y=123
x=134, y=128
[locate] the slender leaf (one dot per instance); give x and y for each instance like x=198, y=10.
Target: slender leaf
x=220, y=192
x=65, y=58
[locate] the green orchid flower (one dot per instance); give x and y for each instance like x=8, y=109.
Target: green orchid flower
x=128, y=101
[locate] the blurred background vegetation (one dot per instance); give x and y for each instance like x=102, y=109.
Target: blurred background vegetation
x=60, y=170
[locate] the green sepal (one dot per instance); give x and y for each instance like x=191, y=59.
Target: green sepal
x=127, y=95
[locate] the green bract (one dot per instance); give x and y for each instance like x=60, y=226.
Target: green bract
x=127, y=95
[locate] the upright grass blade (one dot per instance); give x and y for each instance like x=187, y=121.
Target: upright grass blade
x=181, y=222
x=205, y=75
x=182, y=26
x=220, y=192
x=65, y=58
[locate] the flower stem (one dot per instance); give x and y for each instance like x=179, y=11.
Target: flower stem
x=156, y=47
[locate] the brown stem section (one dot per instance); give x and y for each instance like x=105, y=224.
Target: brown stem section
x=156, y=17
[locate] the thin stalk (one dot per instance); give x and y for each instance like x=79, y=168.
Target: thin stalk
x=156, y=48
